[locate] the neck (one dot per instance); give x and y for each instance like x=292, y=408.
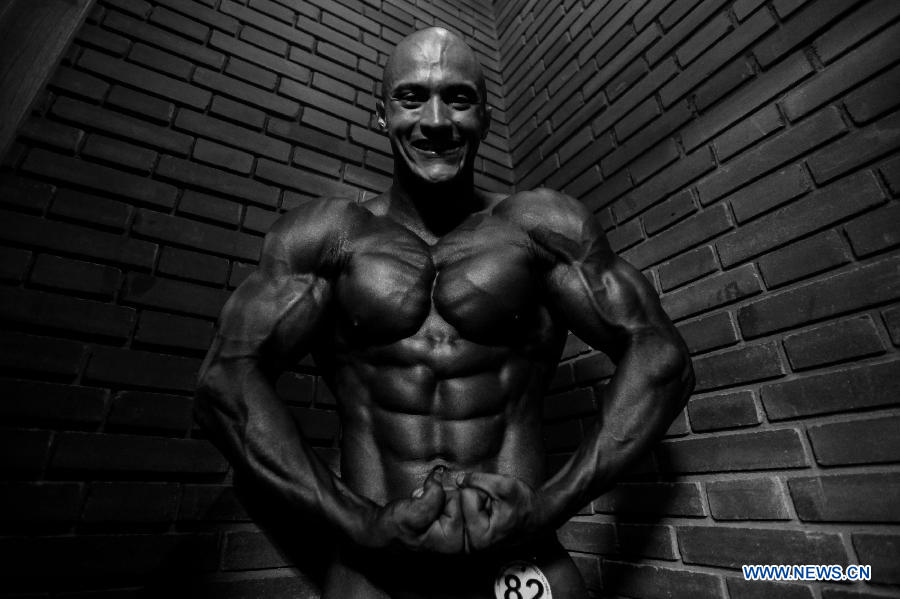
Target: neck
x=435, y=208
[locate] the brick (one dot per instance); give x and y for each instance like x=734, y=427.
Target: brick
x=210, y=503
x=875, y=231
x=101, y=39
x=834, y=342
x=272, y=9
x=747, y=132
x=52, y=134
x=155, y=36
x=32, y=503
x=216, y=180
x=688, y=266
x=637, y=580
x=24, y=451
x=861, y=146
x=146, y=107
x=751, y=96
x=248, y=550
x=625, y=236
x=637, y=118
x=703, y=39
x=14, y=264
x=730, y=547
x=169, y=294
x=130, y=502
x=239, y=272
x=844, y=73
x=141, y=410
x=79, y=84
x=169, y=330
x=259, y=220
x=205, y=15
x=670, y=211
x=118, y=152
x=844, y=198
x=646, y=541
x=267, y=42
x=589, y=537
x=870, y=497
x=142, y=368
x=892, y=321
x=308, y=183
x=193, y=265
x=194, y=234
x=882, y=552
x=751, y=30
x=729, y=77
x=138, y=8
x=761, y=450
x=742, y=364
x=267, y=24
x=849, y=290
x=798, y=29
x=802, y=258
x=37, y=308
x=323, y=164
x=748, y=499
x=773, y=153
x=76, y=239
x=366, y=179
x=728, y=410
x=239, y=137
x=245, y=71
x=865, y=386
x=123, y=126
x=874, y=98
x=264, y=58
x=98, y=557
x=222, y=156
x=689, y=232
x=237, y=112
x=738, y=588
x=27, y=194
x=709, y=332
x=663, y=184
x=91, y=209
x=711, y=292
x=246, y=93
x=145, y=79
x=867, y=441
x=635, y=149
x=44, y=355
x=186, y=27
x=160, y=61
x=672, y=499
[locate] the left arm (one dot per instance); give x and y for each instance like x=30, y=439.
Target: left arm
x=609, y=304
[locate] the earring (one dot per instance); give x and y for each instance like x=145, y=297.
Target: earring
x=382, y=123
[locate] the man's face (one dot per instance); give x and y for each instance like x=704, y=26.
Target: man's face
x=433, y=111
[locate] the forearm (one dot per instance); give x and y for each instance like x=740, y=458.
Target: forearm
x=238, y=407
x=653, y=380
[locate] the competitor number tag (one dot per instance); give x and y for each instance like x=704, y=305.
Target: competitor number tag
x=521, y=580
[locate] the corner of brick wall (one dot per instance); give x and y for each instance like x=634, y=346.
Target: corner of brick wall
x=743, y=155
x=135, y=199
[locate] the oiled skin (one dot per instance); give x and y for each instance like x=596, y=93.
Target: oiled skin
x=439, y=352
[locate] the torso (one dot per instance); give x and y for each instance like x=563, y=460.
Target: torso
x=439, y=354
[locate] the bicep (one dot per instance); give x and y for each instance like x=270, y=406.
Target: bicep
x=607, y=302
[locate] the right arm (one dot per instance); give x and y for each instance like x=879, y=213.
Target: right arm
x=267, y=324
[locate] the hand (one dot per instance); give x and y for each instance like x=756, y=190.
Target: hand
x=431, y=520
x=498, y=510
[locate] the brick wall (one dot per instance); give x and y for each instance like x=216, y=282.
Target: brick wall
x=743, y=154
x=134, y=200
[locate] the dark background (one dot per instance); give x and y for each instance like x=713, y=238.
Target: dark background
x=742, y=153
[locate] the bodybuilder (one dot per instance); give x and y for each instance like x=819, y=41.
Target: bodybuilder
x=436, y=314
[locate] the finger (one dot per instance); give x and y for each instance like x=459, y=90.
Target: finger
x=477, y=518
x=496, y=486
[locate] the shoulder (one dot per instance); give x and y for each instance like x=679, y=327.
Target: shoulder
x=313, y=234
x=555, y=221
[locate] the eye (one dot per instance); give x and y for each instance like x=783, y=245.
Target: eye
x=408, y=99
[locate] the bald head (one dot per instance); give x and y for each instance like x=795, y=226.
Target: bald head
x=435, y=49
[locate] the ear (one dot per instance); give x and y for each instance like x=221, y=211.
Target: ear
x=486, y=121
x=380, y=115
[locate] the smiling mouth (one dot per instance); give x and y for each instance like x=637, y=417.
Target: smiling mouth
x=430, y=148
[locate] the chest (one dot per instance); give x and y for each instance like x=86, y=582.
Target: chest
x=481, y=279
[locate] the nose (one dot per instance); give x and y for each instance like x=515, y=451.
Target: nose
x=435, y=118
